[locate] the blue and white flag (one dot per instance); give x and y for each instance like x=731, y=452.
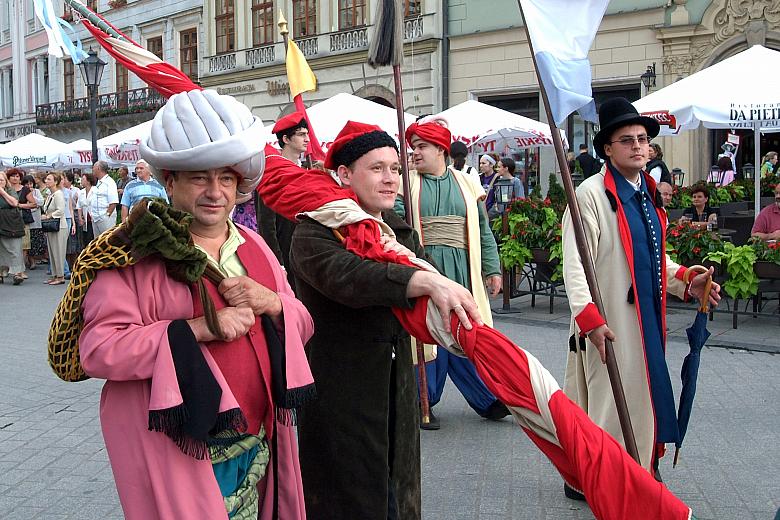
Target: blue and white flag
x=562, y=32
x=59, y=42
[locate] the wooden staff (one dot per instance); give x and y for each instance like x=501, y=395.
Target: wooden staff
x=387, y=49
x=587, y=259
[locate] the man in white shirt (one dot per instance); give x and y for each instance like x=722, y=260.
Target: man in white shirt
x=103, y=199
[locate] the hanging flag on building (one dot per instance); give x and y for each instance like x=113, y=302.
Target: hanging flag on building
x=302, y=79
x=60, y=43
x=562, y=33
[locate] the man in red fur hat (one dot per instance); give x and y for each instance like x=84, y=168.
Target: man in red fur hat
x=359, y=442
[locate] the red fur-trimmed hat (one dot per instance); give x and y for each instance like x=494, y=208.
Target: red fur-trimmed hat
x=355, y=140
x=432, y=132
x=289, y=121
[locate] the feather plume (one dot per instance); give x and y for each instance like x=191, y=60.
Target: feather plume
x=387, y=45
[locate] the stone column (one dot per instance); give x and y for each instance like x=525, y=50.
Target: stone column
x=43, y=95
x=3, y=94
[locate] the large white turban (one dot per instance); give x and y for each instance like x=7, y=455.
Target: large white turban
x=202, y=130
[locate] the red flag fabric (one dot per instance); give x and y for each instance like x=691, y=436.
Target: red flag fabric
x=314, y=149
x=163, y=77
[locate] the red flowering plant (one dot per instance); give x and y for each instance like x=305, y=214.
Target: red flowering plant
x=533, y=224
x=687, y=244
x=766, y=251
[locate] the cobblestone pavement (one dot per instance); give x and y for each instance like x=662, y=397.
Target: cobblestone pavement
x=53, y=464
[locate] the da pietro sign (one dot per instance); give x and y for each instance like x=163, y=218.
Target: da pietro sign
x=745, y=115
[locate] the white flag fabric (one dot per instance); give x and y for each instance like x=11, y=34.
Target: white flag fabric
x=562, y=32
x=59, y=42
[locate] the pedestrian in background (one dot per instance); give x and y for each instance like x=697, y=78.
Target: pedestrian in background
x=14, y=176
x=31, y=194
x=768, y=164
x=488, y=176
x=506, y=171
x=85, y=220
x=74, y=246
x=458, y=152
x=656, y=167
x=143, y=186
x=124, y=180
x=55, y=208
x=104, y=199
x=589, y=165
x=11, y=233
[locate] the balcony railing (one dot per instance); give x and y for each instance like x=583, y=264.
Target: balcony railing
x=314, y=46
x=115, y=104
x=349, y=40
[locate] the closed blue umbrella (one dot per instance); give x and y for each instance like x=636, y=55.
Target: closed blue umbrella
x=697, y=336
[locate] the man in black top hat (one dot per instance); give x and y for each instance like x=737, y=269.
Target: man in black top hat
x=625, y=225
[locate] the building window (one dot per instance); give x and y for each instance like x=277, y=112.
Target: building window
x=188, y=53
x=352, y=13
x=304, y=18
x=155, y=46
x=93, y=5
x=226, y=28
x=412, y=8
x=122, y=78
x=68, y=80
x=262, y=22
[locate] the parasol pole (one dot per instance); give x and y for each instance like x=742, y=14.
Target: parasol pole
x=387, y=49
x=586, y=258
x=756, y=168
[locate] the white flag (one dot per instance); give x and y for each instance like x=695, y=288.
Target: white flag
x=562, y=32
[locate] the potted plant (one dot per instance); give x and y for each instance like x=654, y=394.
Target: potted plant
x=534, y=235
x=114, y=4
x=687, y=244
x=767, y=258
x=742, y=282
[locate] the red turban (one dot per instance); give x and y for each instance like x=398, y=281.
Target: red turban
x=431, y=132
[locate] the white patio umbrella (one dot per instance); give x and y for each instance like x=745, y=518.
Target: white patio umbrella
x=123, y=148
x=741, y=101
x=31, y=151
x=328, y=117
x=485, y=128
x=77, y=154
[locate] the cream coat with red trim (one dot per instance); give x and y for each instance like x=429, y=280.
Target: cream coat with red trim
x=586, y=381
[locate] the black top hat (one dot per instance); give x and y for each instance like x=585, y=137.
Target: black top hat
x=618, y=112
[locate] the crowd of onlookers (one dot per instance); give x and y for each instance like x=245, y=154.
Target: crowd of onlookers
x=47, y=218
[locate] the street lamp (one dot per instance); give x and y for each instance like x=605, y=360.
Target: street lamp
x=92, y=71
x=648, y=78
x=502, y=196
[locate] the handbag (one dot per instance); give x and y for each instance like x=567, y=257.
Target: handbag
x=50, y=225
x=27, y=216
x=11, y=223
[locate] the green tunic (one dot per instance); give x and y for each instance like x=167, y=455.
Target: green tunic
x=441, y=196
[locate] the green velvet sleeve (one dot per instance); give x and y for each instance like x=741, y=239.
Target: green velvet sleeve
x=490, y=263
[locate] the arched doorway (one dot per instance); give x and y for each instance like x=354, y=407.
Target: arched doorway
x=377, y=94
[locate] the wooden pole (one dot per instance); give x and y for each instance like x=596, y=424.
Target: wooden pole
x=587, y=260
x=422, y=377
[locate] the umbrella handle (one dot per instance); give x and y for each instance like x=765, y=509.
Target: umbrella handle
x=704, y=303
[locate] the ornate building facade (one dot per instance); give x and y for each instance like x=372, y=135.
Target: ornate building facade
x=490, y=61
x=245, y=53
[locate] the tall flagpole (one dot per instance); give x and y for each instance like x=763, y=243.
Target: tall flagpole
x=387, y=49
x=587, y=259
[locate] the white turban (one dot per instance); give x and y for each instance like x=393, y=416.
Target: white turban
x=202, y=130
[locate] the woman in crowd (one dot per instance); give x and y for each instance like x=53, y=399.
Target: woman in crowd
x=34, y=199
x=724, y=175
x=85, y=221
x=55, y=208
x=656, y=167
x=26, y=204
x=506, y=171
x=700, y=213
x=11, y=260
x=488, y=176
x=71, y=194
x=768, y=164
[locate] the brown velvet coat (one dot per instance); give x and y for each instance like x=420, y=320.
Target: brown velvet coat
x=359, y=441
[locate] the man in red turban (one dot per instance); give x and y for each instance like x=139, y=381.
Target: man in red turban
x=450, y=217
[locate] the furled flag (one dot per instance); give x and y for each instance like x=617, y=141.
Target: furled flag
x=59, y=42
x=562, y=32
x=302, y=79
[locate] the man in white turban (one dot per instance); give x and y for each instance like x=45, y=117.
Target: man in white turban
x=195, y=425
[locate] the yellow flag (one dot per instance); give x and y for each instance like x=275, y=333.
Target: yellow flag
x=299, y=74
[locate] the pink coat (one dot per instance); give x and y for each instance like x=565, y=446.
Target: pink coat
x=126, y=317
